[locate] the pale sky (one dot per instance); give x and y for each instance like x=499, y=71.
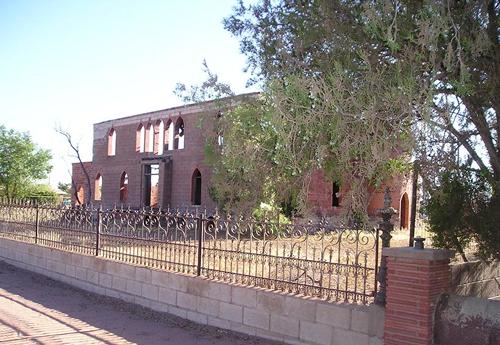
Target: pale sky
x=74, y=63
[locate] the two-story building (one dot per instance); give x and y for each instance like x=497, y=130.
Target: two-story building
x=157, y=159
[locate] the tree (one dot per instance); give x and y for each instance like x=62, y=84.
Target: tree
x=450, y=49
x=461, y=213
x=21, y=162
x=41, y=193
x=423, y=74
x=76, y=149
x=64, y=187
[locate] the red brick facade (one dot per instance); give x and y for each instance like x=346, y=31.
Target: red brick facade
x=321, y=194
x=177, y=165
x=415, y=279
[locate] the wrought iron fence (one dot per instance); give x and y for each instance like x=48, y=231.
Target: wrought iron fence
x=321, y=260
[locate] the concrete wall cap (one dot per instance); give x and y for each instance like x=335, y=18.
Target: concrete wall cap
x=429, y=254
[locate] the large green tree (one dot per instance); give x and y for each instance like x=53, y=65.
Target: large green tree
x=444, y=56
x=21, y=162
x=357, y=82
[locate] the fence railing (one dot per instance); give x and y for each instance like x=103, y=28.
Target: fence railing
x=335, y=263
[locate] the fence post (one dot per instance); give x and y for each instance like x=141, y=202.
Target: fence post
x=98, y=230
x=386, y=226
x=37, y=222
x=416, y=278
x=199, y=230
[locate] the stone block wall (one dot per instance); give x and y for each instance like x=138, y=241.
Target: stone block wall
x=463, y=320
x=476, y=279
x=268, y=314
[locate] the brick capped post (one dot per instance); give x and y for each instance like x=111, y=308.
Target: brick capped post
x=415, y=279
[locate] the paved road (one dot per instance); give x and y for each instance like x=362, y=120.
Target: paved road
x=38, y=310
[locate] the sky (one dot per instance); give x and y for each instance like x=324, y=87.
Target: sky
x=70, y=64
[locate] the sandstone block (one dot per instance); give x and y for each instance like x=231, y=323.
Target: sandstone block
x=255, y=318
x=316, y=333
x=345, y=337
x=228, y=311
x=243, y=296
x=285, y=325
x=167, y=296
x=338, y=315
x=186, y=301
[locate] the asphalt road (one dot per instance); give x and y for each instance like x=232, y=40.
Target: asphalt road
x=38, y=310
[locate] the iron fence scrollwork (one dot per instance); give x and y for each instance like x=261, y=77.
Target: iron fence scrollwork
x=336, y=263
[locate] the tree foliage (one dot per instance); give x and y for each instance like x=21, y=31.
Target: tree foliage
x=64, y=187
x=356, y=88
x=21, y=162
x=211, y=89
x=442, y=57
x=461, y=214
x=40, y=193
x=340, y=102
x=397, y=77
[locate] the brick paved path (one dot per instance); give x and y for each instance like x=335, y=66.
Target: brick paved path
x=39, y=310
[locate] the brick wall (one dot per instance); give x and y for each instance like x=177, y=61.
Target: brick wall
x=175, y=179
x=415, y=279
x=260, y=312
x=80, y=181
x=320, y=195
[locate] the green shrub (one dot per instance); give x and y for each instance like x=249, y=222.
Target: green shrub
x=40, y=193
x=463, y=211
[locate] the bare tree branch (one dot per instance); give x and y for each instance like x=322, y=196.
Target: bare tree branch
x=76, y=149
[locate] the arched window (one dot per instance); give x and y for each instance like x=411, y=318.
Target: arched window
x=196, y=188
x=179, y=134
x=150, y=138
x=403, y=211
x=98, y=187
x=139, y=139
x=80, y=195
x=158, y=139
x=112, y=142
x=335, y=195
x=169, y=135
x=151, y=185
x=124, y=187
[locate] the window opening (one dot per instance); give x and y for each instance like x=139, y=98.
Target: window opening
x=139, y=139
x=403, y=210
x=179, y=134
x=158, y=139
x=196, y=188
x=150, y=138
x=112, y=142
x=336, y=195
x=98, y=187
x=124, y=187
x=81, y=195
x=151, y=184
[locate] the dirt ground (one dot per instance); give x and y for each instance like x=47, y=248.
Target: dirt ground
x=38, y=310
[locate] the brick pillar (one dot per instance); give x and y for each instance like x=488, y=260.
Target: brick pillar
x=415, y=279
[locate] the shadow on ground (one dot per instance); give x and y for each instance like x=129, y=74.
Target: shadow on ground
x=38, y=310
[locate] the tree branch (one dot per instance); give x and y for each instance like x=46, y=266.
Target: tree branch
x=77, y=152
x=478, y=119
x=463, y=141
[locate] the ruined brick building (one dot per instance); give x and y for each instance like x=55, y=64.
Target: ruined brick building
x=157, y=159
